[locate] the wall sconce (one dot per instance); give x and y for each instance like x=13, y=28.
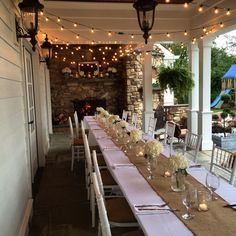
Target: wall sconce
x=29, y=15
x=46, y=49
x=146, y=15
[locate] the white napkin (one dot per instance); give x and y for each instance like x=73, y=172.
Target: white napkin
x=148, y=209
x=122, y=165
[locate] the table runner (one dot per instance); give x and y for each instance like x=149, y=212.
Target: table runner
x=204, y=223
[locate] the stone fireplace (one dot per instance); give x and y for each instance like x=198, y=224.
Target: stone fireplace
x=87, y=107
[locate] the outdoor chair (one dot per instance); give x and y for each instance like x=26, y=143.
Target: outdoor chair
x=124, y=115
x=223, y=163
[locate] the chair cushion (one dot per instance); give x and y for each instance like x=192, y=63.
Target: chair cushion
x=107, y=178
x=78, y=142
x=118, y=210
x=101, y=160
x=133, y=233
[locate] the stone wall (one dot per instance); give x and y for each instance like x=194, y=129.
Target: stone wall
x=65, y=89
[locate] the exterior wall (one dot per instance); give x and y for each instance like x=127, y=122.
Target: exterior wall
x=14, y=172
x=15, y=179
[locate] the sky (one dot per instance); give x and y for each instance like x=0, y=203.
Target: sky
x=223, y=40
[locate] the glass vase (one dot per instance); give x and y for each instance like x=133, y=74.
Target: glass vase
x=151, y=166
x=178, y=182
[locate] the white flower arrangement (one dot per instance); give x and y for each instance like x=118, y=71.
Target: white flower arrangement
x=114, y=70
x=105, y=114
x=113, y=118
x=109, y=69
x=81, y=73
x=122, y=124
x=66, y=70
x=135, y=135
x=153, y=148
x=177, y=163
x=100, y=109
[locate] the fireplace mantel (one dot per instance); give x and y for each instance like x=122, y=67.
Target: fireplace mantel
x=93, y=80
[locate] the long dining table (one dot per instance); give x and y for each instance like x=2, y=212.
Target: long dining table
x=138, y=191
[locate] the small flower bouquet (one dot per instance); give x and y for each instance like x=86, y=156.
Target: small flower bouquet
x=122, y=124
x=100, y=110
x=178, y=163
x=113, y=119
x=135, y=135
x=66, y=70
x=153, y=149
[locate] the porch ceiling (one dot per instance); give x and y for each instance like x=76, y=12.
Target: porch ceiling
x=120, y=18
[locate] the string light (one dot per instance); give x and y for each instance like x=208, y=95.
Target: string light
x=216, y=10
x=167, y=1
x=185, y=33
x=132, y=36
x=168, y=35
x=62, y=28
x=77, y=36
x=109, y=33
x=46, y=19
x=200, y=9
x=75, y=25
x=185, y=5
x=221, y=25
x=228, y=12
x=58, y=19
x=92, y=30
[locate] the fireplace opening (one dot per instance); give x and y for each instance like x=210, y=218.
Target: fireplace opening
x=87, y=107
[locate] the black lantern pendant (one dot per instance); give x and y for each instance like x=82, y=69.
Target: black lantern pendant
x=146, y=15
x=29, y=15
x=46, y=50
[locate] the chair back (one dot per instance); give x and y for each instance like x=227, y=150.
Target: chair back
x=169, y=134
x=76, y=124
x=124, y=115
x=134, y=120
x=97, y=172
x=192, y=144
x=104, y=223
x=88, y=156
x=71, y=129
x=82, y=129
x=223, y=163
x=151, y=126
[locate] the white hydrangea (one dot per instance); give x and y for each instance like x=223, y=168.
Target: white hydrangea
x=135, y=135
x=122, y=124
x=113, y=118
x=100, y=109
x=178, y=162
x=153, y=148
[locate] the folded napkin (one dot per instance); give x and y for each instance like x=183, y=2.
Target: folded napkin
x=115, y=148
x=122, y=165
x=149, y=209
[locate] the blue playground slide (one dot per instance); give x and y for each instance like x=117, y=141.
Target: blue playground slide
x=218, y=98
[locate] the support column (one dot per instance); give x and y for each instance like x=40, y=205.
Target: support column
x=147, y=90
x=205, y=114
x=194, y=95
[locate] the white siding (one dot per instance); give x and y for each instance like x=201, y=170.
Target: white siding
x=15, y=187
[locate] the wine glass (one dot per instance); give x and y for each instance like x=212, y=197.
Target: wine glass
x=189, y=199
x=212, y=183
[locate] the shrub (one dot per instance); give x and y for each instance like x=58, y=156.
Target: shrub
x=215, y=117
x=232, y=103
x=226, y=98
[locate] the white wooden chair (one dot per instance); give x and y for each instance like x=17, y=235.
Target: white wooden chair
x=151, y=126
x=76, y=124
x=77, y=146
x=223, y=163
x=106, y=176
x=169, y=135
x=124, y=115
x=192, y=144
x=134, y=120
x=109, y=189
x=111, y=212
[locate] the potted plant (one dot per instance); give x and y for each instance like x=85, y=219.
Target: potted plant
x=176, y=78
x=221, y=139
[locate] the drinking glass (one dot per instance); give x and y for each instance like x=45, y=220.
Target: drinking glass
x=189, y=199
x=212, y=183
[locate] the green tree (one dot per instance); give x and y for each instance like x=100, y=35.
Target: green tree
x=220, y=63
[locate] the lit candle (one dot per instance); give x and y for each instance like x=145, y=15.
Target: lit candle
x=202, y=207
x=140, y=153
x=167, y=174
